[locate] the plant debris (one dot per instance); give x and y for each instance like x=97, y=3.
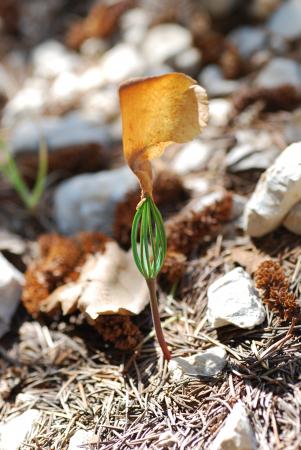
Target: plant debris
x=274, y=287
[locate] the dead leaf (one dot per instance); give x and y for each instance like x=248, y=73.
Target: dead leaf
x=156, y=112
x=247, y=257
x=109, y=283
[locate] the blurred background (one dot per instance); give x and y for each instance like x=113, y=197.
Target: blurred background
x=62, y=62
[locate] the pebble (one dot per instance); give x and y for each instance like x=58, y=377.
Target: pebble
x=134, y=25
x=164, y=42
x=80, y=439
x=262, y=9
x=254, y=150
x=192, y=157
x=292, y=130
x=94, y=47
x=236, y=433
x=293, y=220
x=286, y=21
x=87, y=202
x=220, y=110
x=233, y=299
x=279, y=71
x=70, y=130
x=11, y=281
x=123, y=61
x=101, y=106
x=277, y=191
x=14, y=432
x=248, y=40
x=188, y=61
x=206, y=364
x=51, y=59
x=219, y=8
x=216, y=85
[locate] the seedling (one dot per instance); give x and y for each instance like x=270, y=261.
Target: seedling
x=11, y=172
x=156, y=112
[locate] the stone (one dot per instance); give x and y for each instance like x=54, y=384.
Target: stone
x=164, y=42
x=293, y=220
x=101, y=106
x=236, y=433
x=248, y=40
x=80, y=439
x=277, y=191
x=279, y=71
x=11, y=281
x=87, y=202
x=254, y=150
x=286, y=21
x=134, y=25
x=121, y=62
x=233, y=299
x=93, y=47
x=292, y=130
x=51, y=59
x=64, y=90
x=198, y=204
x=220, y=110
x=262, y=9
x=206, y=364
x=216, y=85
x=188, y=61
x=191, y=157
x=29, y=101
x=14, y=432
x=68, y=131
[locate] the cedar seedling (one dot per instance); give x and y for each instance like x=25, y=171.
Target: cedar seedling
x=156, y=112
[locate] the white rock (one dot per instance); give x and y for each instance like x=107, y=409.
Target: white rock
x=121, y=62
x=11, y=281
x=87, y=202
x=293, y=220
x=14, y=432
x=216, y=85
x=279, y=71
x=286, y=21
x=164, y=42
x=277, y=191
x=191, y=157
x=206, y=364
x=29, y=101
x=65, y=89
x=233, y=299
x=248, y=39
x=101, y=106
x=236, y=433
x=51, y=58
x=68, y=131
x=188, y=61
x=94, y=47
x=219, y=112
x=81, y=438
x=134, y=25
x=254, y=150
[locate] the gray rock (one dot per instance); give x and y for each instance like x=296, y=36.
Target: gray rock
x=279, y=71
x=286, y=21
x=11, y=281
x=191, y=157
x=233, y=299
x=292, y=130
x=236, y=433
x=87, y=202
x=164, y=42
x=188, y=61
x=216, y=85
x=254, y=150
x=51, y=58
x=206, y=364
x=14, y=432
x=277, y=191
x=68, y=131
x=248, y=40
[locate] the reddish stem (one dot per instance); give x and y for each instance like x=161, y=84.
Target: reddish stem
x=151, y=283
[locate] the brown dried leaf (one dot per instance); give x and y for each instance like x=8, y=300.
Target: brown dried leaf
x=156, y=112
